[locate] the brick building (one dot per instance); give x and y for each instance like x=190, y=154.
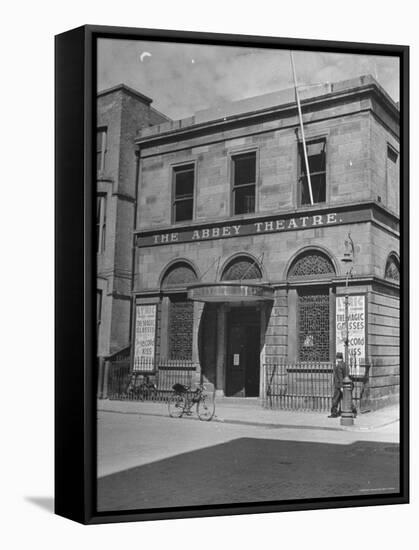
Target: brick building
x=121, y=112
x=236, y=264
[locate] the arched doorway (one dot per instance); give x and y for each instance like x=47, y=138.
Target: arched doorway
x=311, y=307
x=243, y=328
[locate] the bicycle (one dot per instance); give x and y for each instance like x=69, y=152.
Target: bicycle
x=142, y=390
x=184, y=399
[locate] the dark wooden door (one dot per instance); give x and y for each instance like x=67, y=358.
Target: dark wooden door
x=243, y=354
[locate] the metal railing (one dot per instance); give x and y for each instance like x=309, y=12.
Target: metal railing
x=309, y=386
x=298, y=386
x=144, y=364
x=150, y=384
x=120, y=361
x=172, y=372
x=118, y=380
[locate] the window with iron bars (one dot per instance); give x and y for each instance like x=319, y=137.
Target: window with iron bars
x=180, y=331
x=313, y=326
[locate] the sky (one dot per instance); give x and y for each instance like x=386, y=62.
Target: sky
x=185, y=78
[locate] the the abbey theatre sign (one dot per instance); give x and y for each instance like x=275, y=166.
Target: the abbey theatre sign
x=256, y=226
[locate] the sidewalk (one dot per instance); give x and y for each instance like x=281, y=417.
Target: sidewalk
x=253, y=414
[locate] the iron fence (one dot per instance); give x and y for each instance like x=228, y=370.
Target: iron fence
x=173, y=372
x=298, y=386
x=150, y=384
x=118, y=380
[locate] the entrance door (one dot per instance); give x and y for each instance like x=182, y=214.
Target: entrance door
x=243, y=353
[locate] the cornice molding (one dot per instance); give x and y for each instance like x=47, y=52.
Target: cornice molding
x=253, y=117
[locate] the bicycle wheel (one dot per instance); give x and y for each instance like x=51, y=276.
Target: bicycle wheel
x=176, y=405
x=206, y=407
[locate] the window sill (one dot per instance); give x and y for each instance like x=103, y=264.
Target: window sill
x=103, y=176
x=314, y=205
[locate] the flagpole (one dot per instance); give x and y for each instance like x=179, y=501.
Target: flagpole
x=300, y=116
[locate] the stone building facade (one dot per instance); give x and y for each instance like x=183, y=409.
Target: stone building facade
x=236, y=264
x=121, y=112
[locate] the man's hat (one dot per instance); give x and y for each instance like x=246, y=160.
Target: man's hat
x=339, y=355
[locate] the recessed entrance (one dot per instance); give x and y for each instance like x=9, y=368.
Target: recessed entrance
x=243, y=352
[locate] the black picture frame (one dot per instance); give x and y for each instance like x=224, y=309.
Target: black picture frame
x=75, y=364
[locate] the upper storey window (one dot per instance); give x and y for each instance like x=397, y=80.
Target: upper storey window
x=100, y=223
x=101, y=138
x=316, y=153
x=392, y=178
x=244, y=183
x=183, y=193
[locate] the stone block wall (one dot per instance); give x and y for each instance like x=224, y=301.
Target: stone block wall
x=382, y=244
x=120, y=325
x=276, y=337
x=208, y=343
x=347, y=174
x=385, y=178
x=278, y=250
x=123, y=113
x=384, y=346
x=135, y=114
x=348, y=150
x=357, y=125
x=109, y=114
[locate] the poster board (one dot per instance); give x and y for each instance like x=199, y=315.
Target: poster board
x=356, y=326
x=145, y=337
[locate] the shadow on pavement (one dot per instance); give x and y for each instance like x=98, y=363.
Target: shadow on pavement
x=254, y=470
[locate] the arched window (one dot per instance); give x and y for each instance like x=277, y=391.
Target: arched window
x=178, y=275
x=241, y=268
x=313, y=309
x=180, y=311
x=311, y=264
x=392, y=270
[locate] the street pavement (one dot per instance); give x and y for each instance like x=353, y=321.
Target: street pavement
x=250, y=412
x=245, y=454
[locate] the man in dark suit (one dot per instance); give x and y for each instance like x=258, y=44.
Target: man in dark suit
x=338, y=376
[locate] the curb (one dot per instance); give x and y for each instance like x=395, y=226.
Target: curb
x=368, y=428
x=270, y=425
